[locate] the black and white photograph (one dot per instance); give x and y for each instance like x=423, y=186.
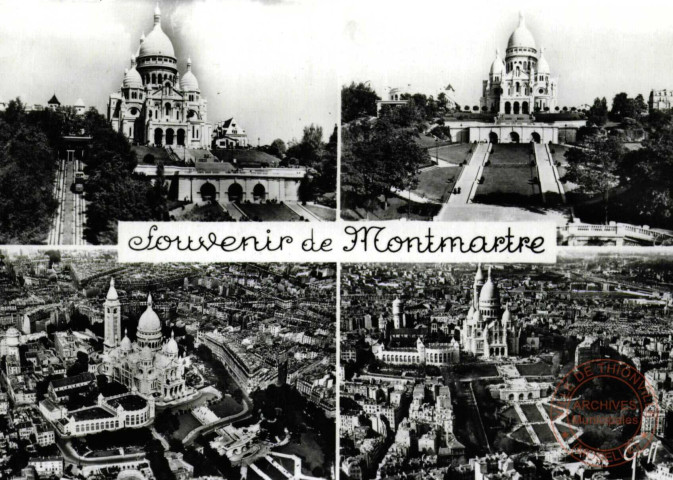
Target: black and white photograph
x=459, y=371
x=165, y=371
x=164, y=111
x=493, y=111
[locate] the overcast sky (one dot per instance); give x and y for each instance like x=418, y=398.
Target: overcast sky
x=594, y=48
x=269, y=63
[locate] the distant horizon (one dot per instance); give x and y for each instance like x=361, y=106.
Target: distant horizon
x=596, y=49
x=264, y=62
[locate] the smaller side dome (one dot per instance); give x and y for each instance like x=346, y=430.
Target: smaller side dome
x=188, y=82
x=498, y=66
x=171, y=347
x=506, y=316
x=132, y=78
x=542, y=64
x=125, y=344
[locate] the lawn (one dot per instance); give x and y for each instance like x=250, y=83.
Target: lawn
x=209, y=212
x=544, y=433
x=308, y=449
x=476, y=370
x=521, y=435
x=553, y=412
x=532, y=413
x=511, y=414
x=455, y=153
x=187, y=423
x=268, y=212
x=226, y=407
x=509, y=186
x=324, y=213
x=269, y=470
x=511, y=154
x=435, y=184
x=565, y=428
x=534, y=369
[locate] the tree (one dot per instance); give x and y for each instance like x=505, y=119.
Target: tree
x=625, y=107
x=379, y=156
x=158, y=195
x=649, y=170
x=27, y=171
x=278, y=148
x=305, y=191
x=598, y=112
x=594, y=167
x=442, y=101
x=310, y=149
x=357, y=100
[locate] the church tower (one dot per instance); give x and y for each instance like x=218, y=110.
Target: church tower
x=112, y=316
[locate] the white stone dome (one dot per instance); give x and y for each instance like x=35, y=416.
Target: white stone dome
x=543, y=65
x=125, y=343
x=157, y=42
x=498, y=66
x=171, y=347
x=12, y=332
x=132, y=79
x=489, y=292
x=112, y=292
x=149, y=320
x=188, y=82
x=12, y=337
x=521, y=37
x=506, y=316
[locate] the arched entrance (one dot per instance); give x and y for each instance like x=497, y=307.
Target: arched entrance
x=493, y=137
x=181, y=137
x=158, y=137
x=516, y=108
x=508, y=108
x=514, y=137
x=259, y=192
x=536, y=137
x=524, y=107
x=170, y=134
x=208, y=191
x=235, y=192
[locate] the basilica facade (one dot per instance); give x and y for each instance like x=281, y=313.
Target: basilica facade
x=156, y=106
x=522, y=82
x=487, y=331
x=150, y=365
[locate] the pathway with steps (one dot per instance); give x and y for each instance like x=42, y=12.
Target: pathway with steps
x=545, y=168
x=470, y=175
x=299, y=209
x=467, y=182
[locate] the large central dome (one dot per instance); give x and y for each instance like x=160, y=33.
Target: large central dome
x=521, y=37
x=157, y=42
x=149, y=321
